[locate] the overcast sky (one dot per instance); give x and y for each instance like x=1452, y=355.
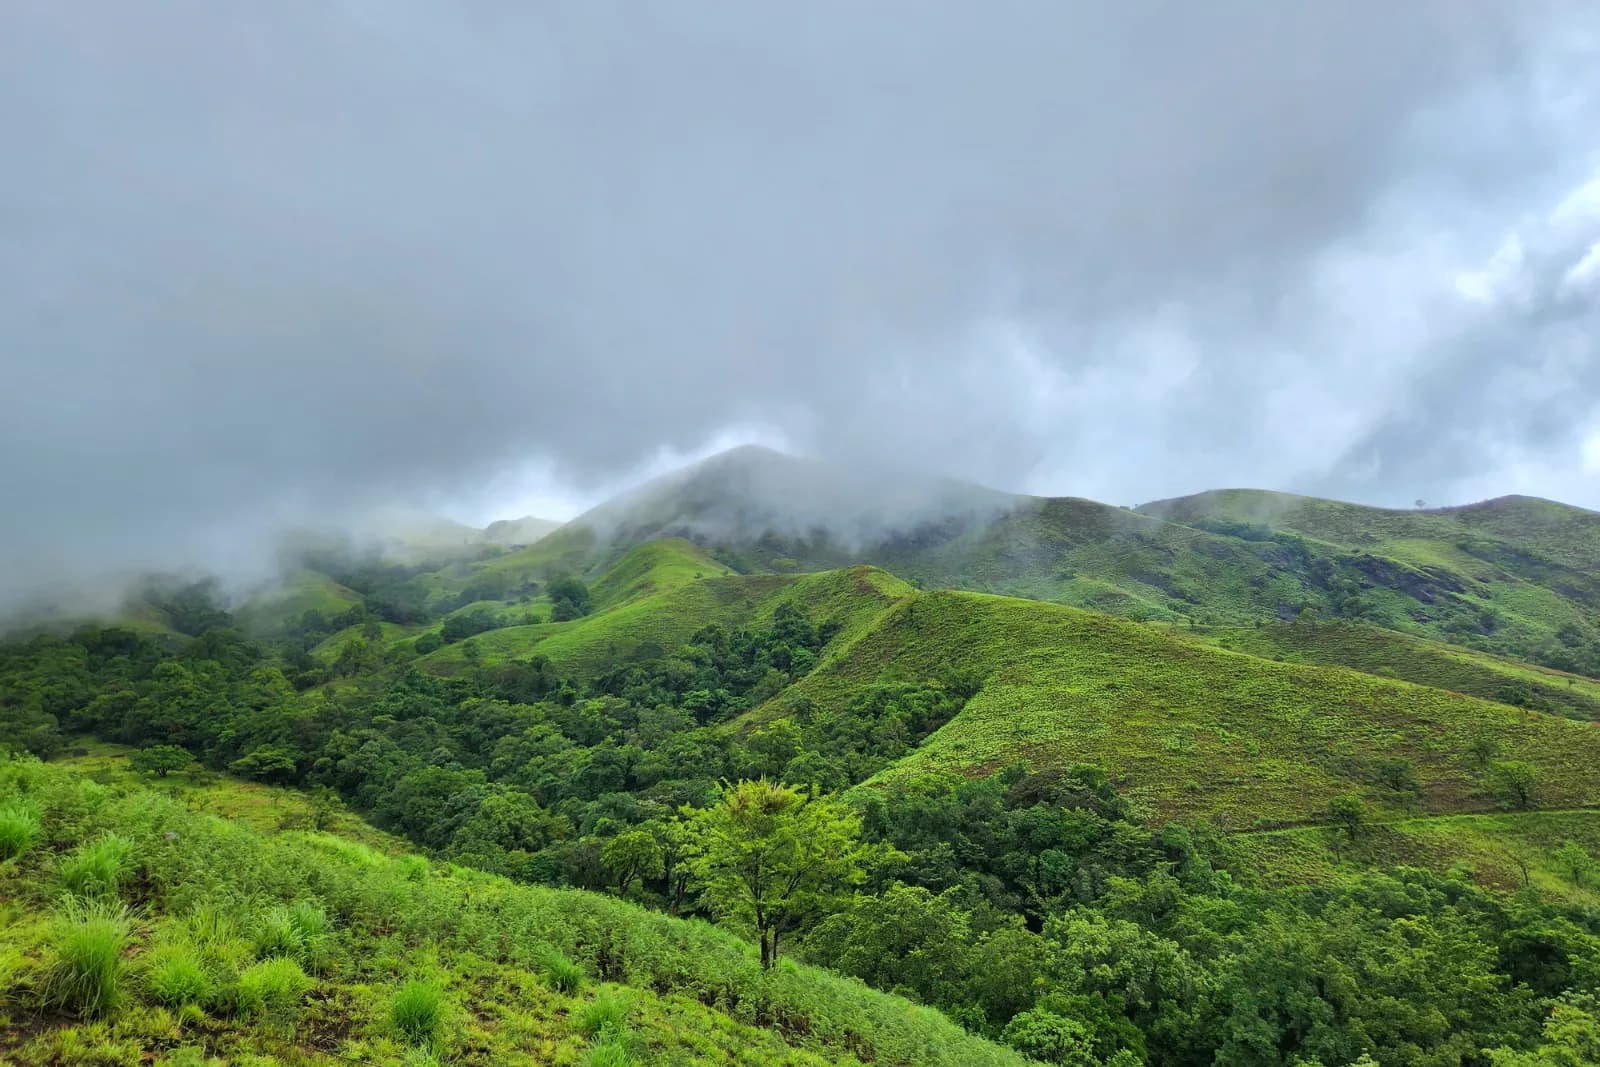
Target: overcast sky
x=260, y=261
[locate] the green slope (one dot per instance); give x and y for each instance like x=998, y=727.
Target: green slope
x=1514, y=576
x=303, y=591
x=654, y=567
x=203, y=887
x=1509, y=851
x=1187, y=729
x=659, y=594
x=1432, y=663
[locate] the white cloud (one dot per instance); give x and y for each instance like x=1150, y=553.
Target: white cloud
x=1591, y=453
x=1584, y=274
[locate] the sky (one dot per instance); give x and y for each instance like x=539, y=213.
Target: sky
x=261, y=263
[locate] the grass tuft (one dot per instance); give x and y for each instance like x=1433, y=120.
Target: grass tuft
x=417, y=1010
x=561, y=974
x=87, y=939
x=177, y=977
x=19, y=829
x=271, y=988
x=298, y=931
x=606, y=1014
x=612, y=1050
x=98, y=868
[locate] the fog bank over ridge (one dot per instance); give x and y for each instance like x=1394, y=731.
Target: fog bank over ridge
x=490, y=260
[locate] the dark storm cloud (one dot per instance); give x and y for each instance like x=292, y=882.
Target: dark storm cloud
x=264, y=261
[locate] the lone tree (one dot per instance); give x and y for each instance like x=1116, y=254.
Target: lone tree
x=1349, y=813
x=632, y=854
x=776, y=858
x=1517, y=778
x=161, y=760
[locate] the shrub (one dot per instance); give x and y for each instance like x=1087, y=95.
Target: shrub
x=214, y=934
x=297, y=931
x=177, y=977
x=561, y=974
x=611, y=1051
x=19, y=829
x=417, y=1010
x=272, y=987
x=87, y=939
x=606, y=1014
x=1044, y=1035
x=99, y=867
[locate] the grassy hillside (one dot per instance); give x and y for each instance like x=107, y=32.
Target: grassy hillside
x=1559, y=533
x=300, y=947
x=654, y=567
x=660, y=593
x=1371, y=650
x=302, y=591
x=1194, y=731
x=1529, y=568
x=1515, y=576
x=1509, y=851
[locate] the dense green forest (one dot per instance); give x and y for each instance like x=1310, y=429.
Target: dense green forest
x=1034, y=905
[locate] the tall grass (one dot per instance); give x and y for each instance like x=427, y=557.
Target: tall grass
x=98, y=868
x=86, y=940
x=177, y=976
x=271, y=988
x=417, y=1010
x=19, y=829
x=561, y=974
x=298, y=931
x=606, y=1014
x=613, y=1050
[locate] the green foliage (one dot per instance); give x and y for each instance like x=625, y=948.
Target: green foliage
x=299, y=931
x=1049, y=1038
x=465, y=624
x=268, y=763
x=569, y=599
x=19, y=829
x=417, y=1010
x=161, y=760
x=272, y=988
x=1571, y=1036
x=176, y=975
x=1397, y=775
x=611, y=1051
x=632, y=854
x=604, y=1016
x=561, y=974
x=99, y=867
x=1576, y=863
x=1517, y=779
x=1349, y=813
x=86, y=941
x=776, y=859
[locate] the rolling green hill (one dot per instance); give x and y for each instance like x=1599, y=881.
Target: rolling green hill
x=1190, y=730
x=1385, y=653
x=285, y=603
x=661, y=593
x=1514, y=577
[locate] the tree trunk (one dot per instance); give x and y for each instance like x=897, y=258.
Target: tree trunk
x=766, y=950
